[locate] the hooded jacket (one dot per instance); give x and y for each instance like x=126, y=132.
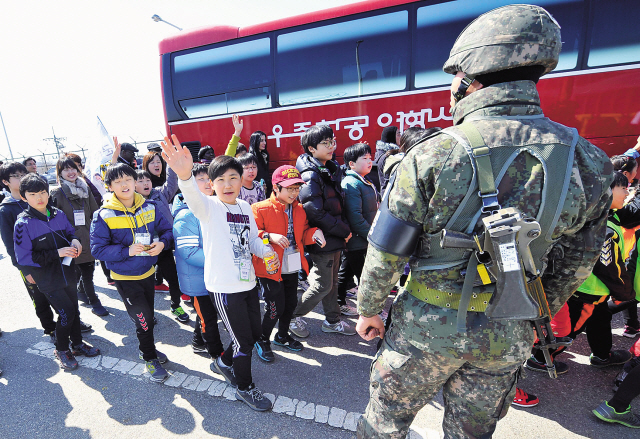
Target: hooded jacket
x=189, y=253
x=36, y=239
x=321, y=198
x=68, y=203
x=162, y=195
x=271, y=217
x=380, y=158
x=360, y=206
x=112, y=232
x=10, y=208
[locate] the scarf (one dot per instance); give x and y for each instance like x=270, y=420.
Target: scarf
x=79, y=188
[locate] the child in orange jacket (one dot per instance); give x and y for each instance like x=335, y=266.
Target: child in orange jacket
x=282, y=221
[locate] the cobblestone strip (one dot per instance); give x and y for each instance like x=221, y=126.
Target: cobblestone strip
x=321, y=414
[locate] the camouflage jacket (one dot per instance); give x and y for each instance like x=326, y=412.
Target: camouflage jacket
x=434, y=176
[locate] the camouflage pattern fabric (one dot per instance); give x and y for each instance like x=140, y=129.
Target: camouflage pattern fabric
x=432, y=180
x=504, y=38
x=419, y=357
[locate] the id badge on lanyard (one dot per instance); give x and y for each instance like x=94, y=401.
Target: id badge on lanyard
x=291, y=263
x=245, y=269
x=78, y=218
x=144, y=239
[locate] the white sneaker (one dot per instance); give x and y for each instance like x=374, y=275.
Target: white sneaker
x=347, y=310
x=339, y=328
x=299, y=328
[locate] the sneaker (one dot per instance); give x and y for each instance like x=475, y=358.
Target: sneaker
x=606, y=413
x=180, y=315
x=348, y=310
x=532, y=364
x=523, y=399
x=157, y=372
x=303, y=285
x=254, y=398
x=263, y=348
x=66, y=359
x=185, y=298
x=162, y=358
x=98, y=309
x=82, y=296
x=162, y=288
x=299, y=327
x=615, y=357
x=352, y=292
x=339, y=328
x=288, y=342
x=630, y=331
x=85, y=349
x=85, y=327
x=199, y=348
x=227, y=372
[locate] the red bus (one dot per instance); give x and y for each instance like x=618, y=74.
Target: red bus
x=364, y=66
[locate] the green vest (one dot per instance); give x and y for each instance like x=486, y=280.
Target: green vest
x=595, y=286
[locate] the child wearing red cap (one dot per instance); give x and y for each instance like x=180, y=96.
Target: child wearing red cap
x=282, y=220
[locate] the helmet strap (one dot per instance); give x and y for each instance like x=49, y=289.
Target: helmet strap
x=463, y=87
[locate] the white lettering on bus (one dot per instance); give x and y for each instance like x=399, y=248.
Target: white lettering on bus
x=355, y=124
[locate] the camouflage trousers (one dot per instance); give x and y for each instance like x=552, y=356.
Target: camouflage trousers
x=422, y=353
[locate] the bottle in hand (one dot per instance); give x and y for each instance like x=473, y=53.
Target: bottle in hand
x=270, y=258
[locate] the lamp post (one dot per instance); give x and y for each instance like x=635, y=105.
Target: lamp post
x=157, y=19
x=7, y=137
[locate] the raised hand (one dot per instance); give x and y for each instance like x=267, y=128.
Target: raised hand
x=237, y=124
x=178, y=157
x=116, y=151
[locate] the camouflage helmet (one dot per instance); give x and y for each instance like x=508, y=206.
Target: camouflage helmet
x=505, y=38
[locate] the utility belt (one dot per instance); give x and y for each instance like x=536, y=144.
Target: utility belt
x=478, y=302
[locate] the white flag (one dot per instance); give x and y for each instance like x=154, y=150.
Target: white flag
x=100, y=152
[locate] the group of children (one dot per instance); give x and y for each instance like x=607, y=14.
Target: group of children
x=237, y=238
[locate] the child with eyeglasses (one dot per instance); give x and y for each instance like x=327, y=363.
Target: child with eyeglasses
x=282, y=220
x=251, y=191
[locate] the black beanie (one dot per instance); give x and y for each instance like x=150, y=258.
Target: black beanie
x=389, y=134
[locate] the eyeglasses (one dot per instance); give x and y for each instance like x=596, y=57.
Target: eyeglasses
x=18, y=176
x=328, y=143
x=250, y=168
x=291, y=189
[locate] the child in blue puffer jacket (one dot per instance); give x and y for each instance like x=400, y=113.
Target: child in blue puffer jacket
x=190, y=265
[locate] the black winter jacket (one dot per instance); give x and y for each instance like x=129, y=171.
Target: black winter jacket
x=322, y=200
x=10, y=208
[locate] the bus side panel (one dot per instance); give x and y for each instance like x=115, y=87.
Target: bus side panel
x=603, y=106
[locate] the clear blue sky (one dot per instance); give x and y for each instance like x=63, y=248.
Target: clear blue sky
x=66, y=62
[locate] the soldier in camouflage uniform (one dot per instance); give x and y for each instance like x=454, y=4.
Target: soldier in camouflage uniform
x=508, y=48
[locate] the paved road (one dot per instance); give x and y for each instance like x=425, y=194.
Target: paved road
x=318, y=392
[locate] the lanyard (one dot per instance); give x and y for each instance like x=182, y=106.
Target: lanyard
x=133, y=224
x=65, y=196
x=235, y=229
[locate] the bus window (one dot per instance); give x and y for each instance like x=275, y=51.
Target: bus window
x=225, y=79
x=438, y=26
x=608, y=44
x=359, y=57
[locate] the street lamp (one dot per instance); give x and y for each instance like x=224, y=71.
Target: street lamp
x=157, y=18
